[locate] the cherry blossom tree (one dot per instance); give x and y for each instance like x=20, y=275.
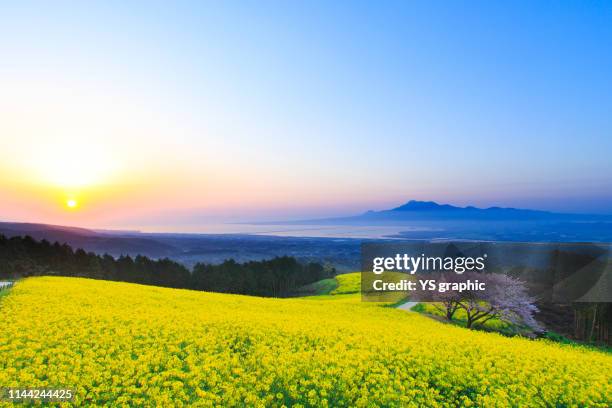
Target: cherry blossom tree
x=505, y=298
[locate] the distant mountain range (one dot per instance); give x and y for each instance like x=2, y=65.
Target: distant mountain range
x=432, y=206
x=428, y=220
x=431, y=211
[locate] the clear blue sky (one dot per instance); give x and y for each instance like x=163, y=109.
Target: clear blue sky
x=299, y=108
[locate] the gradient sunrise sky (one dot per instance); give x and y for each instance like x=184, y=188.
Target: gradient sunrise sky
x=148, y=113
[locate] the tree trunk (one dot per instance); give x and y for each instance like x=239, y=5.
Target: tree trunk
x=593, y=323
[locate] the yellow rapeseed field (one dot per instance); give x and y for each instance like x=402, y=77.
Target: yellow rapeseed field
x=348, y=283
x=131, y=345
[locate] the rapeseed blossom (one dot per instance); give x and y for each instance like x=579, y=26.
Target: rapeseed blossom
x=123, y=344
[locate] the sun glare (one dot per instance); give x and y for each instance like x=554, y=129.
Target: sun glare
x=71, y=203
x=74, y=165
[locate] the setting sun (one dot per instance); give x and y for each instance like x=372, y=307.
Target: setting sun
x=71, y=203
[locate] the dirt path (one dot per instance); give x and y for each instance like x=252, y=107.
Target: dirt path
x=7, y=284
x=407, y=306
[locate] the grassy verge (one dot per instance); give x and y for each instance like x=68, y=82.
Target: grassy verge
x=345, y=284
x=498, y=326
x=460, y=319
x=319, y=288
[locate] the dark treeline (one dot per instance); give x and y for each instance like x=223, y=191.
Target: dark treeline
x=24, y=256
x=275, y=277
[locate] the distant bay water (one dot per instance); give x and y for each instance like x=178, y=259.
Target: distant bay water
x=480, y=230
x=311, y=231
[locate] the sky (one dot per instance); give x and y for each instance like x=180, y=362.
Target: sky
x=178, y=113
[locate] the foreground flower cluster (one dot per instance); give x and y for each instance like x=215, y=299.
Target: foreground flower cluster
x=125, y=344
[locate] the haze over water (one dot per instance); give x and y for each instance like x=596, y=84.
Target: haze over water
x=284, y=230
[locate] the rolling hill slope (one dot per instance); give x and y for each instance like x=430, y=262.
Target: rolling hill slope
x=118, y=343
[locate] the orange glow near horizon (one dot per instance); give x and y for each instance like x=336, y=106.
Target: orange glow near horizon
x=163, y=194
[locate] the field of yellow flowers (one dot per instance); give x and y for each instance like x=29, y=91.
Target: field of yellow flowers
x=131, y=345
